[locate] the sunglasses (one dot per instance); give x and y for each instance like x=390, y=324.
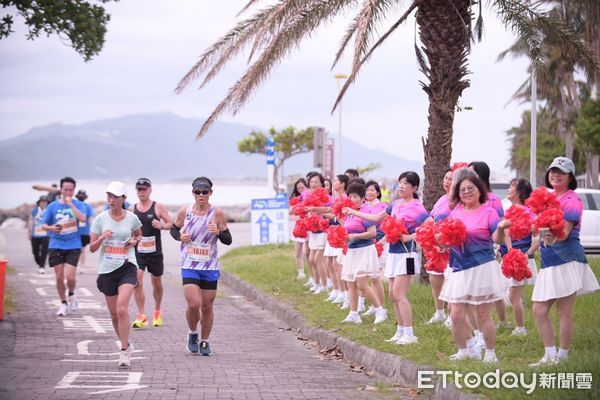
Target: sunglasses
x=201, y=192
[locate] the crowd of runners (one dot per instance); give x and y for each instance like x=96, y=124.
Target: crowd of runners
x=128, y=241
x=470, y=284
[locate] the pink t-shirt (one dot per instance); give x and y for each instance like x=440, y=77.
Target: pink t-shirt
x=496, y=203
x=441, y=210
x=414, y=214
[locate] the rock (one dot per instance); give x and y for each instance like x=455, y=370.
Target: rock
x=13, y=223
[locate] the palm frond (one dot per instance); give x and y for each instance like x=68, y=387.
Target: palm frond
x=345, y=40
x=478, y=29
x=382, y=39
x=297, y=28
x=366, y=20
x=247, y=6
x=519, y=48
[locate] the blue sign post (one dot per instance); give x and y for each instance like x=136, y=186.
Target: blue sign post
x=270, y=221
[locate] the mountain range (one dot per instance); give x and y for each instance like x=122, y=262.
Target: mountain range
x=159, y=146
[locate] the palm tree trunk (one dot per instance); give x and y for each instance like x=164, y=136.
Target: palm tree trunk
x=444, y=31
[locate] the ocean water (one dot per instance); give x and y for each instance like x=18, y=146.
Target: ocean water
x=227, y=193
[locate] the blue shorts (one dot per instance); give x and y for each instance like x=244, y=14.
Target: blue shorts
x=205, y=279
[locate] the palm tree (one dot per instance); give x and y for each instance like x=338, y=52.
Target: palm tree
x=445, y=27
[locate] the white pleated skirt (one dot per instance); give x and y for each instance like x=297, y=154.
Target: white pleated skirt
x=482, y=284
x=531, y=281
x=564, y=280
x=384, y=256
x=316, y=241
x=396, y=264
x=331, y=251
x=360, y=262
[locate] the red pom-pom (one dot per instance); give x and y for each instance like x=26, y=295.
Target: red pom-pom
x=299, y=209
x=515, y=265
x=553, y=219
x=458, y=165
x=425, y=235
x=520, y=222
x=378, y=247
x=317, y=198
x=453, y=232
x=393, y=229
x=541, y=200
x=337, y=236
x=339, y=204
x=316, y=223
x=294, y=200
x=437, y=261
x=300, y=229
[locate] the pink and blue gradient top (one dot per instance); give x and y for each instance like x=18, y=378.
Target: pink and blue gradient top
x=375, y=209
x=523, y=244
x=414, y=214
x=441, y=209
x=496, y=203
x=478, y=249
x=354, y=224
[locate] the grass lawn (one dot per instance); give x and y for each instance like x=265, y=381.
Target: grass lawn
x=8, y=294
x=272, y=270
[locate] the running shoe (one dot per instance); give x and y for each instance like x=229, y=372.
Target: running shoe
x=301, y=276
x=124, y=358
x=394, y=338
x=63, y=310
x=332, y=295
x=490, y=358
x=320, y=289
x=140, y=322
x=129, y=350
x=405, y=339
x=205, y=348
x=339, y=299
x=437, y=318
x=545, y=361
x=448, y=322
x=192, y=343
x=352, y=318
x=380, y=316
x=503, y=325
x=519, y=331
x=345, y=305
x=73, y=303
x=371, y=311
x=469, y=355
x=157, y=319
x=310, y=282
x=42, y=270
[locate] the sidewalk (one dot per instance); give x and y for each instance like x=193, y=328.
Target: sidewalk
x=43, y=356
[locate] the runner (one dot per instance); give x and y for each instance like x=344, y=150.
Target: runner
x=154, y=217
x=84, y=228
x=38, y=236
x=565, y=272
x=62, y=219
x=53, y=191
x=116, y=232
x=198, y=227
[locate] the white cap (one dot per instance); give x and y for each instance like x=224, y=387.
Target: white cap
x=116, y=188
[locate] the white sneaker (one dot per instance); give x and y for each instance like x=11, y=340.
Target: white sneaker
x=448, y=322
x=339, y=299
x=309, y=282
x=490, y=359
x=332, y=296
x=380, y=316
x=361, y=306
x=469, y=355
x=300, y=276
x=124, y=358
x=130, y=350
x=394, y=338
x=63, y=310
x=320, y=289
x=313, y=288
x=371, y=311
x=73, y=303
x=345, y=305
x=437, y=318
x=352, y=318
x=519, y=331
x=42, y=270
x=545, y=361
x=404, y=339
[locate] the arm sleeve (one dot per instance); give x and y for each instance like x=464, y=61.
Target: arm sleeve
x=225, y=237
x=175, y=232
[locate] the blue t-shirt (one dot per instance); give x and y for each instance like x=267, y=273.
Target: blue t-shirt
x=58, y=213
x=37, y=220
x=84, y=227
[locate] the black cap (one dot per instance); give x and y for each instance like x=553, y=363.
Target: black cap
x=143, y=182
x=43, y=198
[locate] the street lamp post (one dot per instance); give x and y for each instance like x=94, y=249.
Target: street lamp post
x=339, y=78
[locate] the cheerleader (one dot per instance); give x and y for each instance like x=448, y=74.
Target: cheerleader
x=403, y=261
x=476, y=279
x=518, y=191
x=360, y=262
x=300, y=246
x=565, y=272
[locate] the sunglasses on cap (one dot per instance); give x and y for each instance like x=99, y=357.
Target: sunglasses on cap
x=143, y=182
x=201, y=192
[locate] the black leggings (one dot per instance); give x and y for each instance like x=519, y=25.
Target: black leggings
x=39, y=246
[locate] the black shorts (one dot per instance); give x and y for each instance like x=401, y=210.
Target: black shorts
x=152, y=262
x=58, y=256
x=109, y=283
x=85, y=240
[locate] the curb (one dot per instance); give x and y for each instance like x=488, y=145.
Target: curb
x=392, y=367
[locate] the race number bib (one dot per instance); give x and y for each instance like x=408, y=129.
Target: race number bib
x=114, y=250
x=199, y=252
x=82, y=224
x=39, y=232
x=147, y=244
x=68, y=226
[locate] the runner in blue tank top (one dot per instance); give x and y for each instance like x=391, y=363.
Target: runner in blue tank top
x=198, y=226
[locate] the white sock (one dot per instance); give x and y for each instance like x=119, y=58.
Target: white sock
x=353, y=313
x=380, y=308
x=550, y=352
x=478, y=335
x=490, y=352
x=192, y=332
x=346, y=296
x=408, y=331
x=440, y=312
x=562, y=353
x=361, y=301
x=399, y=330
x=471, y=342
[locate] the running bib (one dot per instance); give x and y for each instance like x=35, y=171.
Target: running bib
x=114, y=250
x=39, y=231
x=147, y=244
x=68, y=226
x=199, y=252
x=82, y=224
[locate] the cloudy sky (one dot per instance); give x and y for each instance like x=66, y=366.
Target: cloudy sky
x=150, y=44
